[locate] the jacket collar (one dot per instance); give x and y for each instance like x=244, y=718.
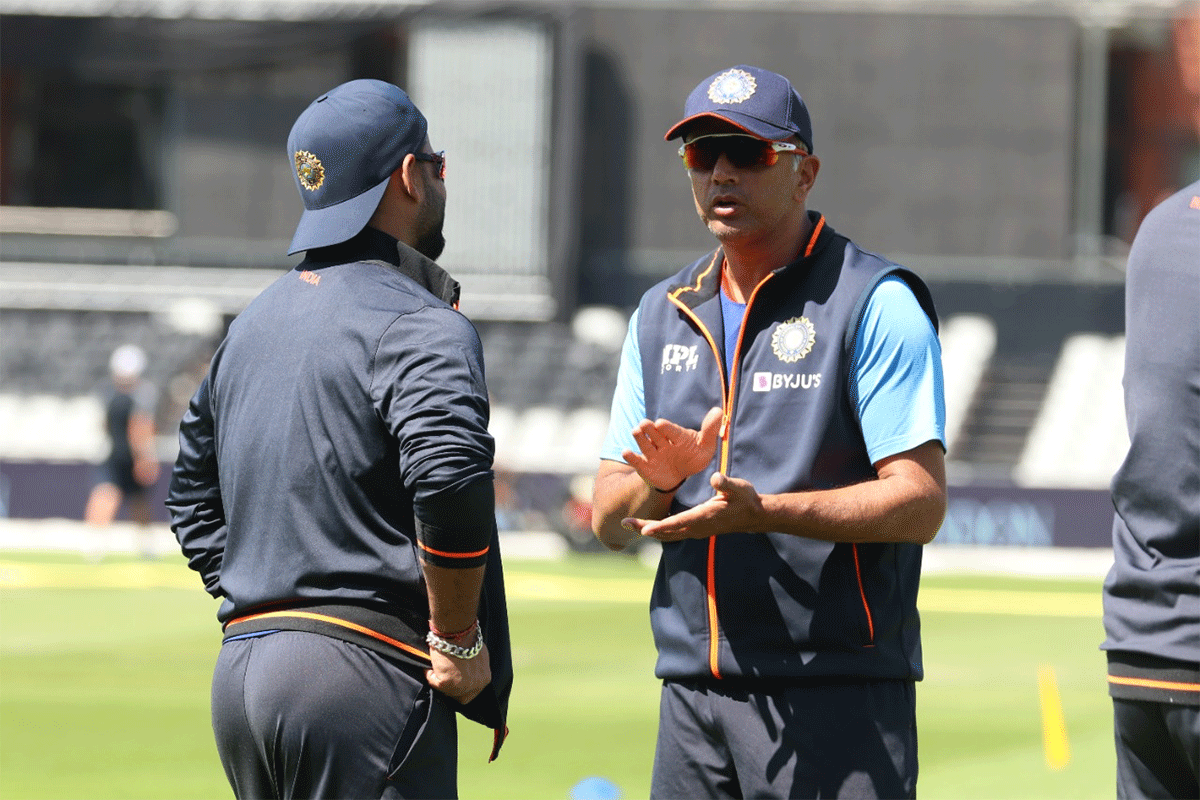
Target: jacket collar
x=428, y=275
x=701, y=281
x=375, y=245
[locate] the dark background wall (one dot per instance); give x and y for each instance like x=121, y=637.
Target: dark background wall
x=938, y=135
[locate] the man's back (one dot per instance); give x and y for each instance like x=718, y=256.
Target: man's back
x=334, y=484
x=1152, y=595
x=314, y=396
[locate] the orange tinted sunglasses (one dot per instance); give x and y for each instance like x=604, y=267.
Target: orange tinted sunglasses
x=743, y=152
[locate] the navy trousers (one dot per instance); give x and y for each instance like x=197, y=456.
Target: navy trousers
x=1158, y=749
x=851, y=740
x=301, y=715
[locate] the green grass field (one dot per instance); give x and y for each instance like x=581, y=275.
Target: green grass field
x=104, y=678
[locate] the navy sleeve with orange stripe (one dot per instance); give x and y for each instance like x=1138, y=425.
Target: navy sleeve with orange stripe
x=454, y=527
x=429, y=388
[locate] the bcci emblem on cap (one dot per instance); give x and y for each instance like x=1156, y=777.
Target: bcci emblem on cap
x=310, y=170
x=732, y=86
x=793, y=340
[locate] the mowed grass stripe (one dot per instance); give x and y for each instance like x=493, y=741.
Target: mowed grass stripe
x=522, y=585
x=116, y=575
x=164, y=575
x=1010, y=602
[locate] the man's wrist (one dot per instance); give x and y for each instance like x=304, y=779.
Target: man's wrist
x=672, y=490
x=463, y=645
x=460, y=637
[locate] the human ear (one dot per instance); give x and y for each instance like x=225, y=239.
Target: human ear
x=806, y=176
x=408, y=178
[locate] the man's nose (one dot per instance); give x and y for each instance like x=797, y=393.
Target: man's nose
x=724, y=171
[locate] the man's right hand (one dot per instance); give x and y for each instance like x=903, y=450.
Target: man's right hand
x=672, y=453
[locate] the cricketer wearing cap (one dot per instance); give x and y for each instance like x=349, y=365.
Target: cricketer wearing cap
x=334, y=484
x=778, y=425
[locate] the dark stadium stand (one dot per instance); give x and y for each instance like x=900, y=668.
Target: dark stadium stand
x=1020, y=388
x=62, y=353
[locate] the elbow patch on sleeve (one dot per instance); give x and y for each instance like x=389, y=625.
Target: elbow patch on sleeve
x=454, y=528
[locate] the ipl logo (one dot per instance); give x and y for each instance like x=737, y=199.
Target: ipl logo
x=677, y=358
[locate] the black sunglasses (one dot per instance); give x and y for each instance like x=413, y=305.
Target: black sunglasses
x=438, y=158
x=743, y=152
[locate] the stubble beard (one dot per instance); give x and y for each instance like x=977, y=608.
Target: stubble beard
x=430, y=241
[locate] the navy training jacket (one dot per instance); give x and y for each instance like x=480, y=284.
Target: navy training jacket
x=345, y=409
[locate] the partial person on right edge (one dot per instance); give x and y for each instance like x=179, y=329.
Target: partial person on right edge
x=1152, y=592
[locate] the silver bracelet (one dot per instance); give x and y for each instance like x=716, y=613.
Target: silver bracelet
x=457, y=651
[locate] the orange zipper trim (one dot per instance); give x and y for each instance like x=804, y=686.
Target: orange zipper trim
x=862, y=592
x=728, y=391
x=710, y=577
x=812, y=240
x=727, y=395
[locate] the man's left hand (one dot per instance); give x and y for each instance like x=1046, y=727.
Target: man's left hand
x=459, y=679
x=735, y=506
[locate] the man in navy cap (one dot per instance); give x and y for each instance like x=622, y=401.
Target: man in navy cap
x=778, y=425
x=334, y=484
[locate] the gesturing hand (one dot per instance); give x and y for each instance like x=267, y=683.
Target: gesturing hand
x=735, y=506
x=671, y=453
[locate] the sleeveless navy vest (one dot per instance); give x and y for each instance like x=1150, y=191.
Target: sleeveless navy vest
x=776, y=606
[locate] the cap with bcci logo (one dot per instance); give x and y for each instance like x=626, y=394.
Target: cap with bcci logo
x=758, y=101
x=343, y=148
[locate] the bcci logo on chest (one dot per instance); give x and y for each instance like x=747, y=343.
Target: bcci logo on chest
x=793, y=340
x=677, y=358
x=790, y=342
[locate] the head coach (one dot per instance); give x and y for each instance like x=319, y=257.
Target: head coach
x=778, y=425
x=334, y=484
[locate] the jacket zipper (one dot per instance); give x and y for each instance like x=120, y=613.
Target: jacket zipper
x=728, y=390
x=710, y=570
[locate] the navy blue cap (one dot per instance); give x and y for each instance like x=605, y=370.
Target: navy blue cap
x=343, y=148
x=756, y=100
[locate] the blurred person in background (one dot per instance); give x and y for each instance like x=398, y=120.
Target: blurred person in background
x=778, y=425
x=334, y=484
x=1152, y=592
x=129, y=472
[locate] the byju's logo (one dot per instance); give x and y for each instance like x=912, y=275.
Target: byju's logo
x=766, y=381
x=677, y=358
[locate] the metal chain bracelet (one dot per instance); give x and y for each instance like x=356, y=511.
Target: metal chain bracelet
x=454, y=650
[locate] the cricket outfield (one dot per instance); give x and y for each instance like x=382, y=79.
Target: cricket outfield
x=104, y=671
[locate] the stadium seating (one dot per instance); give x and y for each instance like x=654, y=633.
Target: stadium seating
x=1079, y=438
x=968, y=342
x=1009, y=416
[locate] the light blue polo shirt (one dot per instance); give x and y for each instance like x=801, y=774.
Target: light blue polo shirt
x=897, y=380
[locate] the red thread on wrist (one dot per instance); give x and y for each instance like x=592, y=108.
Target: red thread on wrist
x=454, y=637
